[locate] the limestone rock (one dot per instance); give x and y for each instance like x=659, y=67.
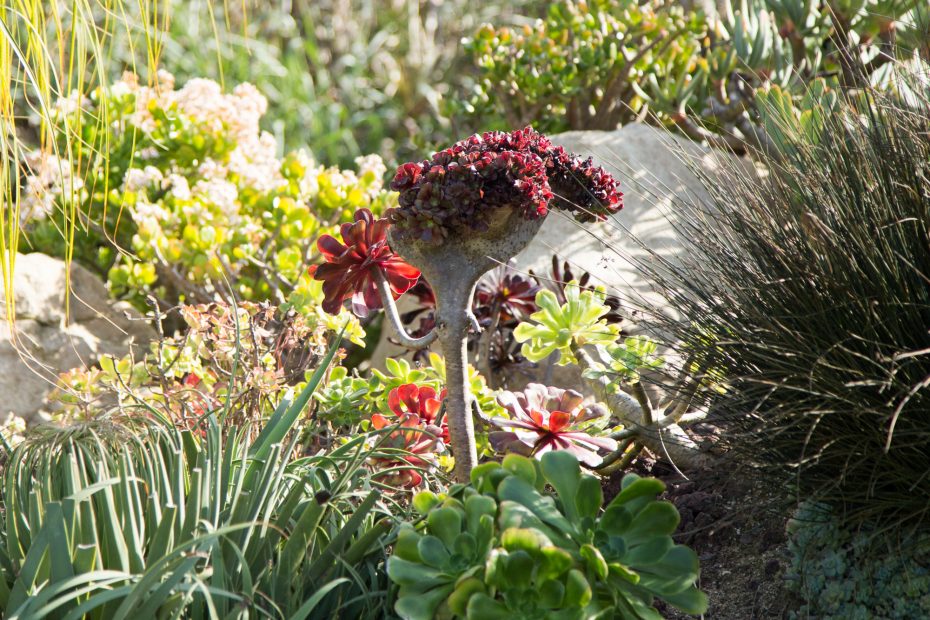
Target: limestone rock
x=45, y=342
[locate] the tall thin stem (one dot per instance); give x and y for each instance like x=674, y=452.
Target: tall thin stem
x=454, y=318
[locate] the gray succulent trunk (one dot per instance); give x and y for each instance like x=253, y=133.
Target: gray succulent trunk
x=454, y=318
x=452, y=269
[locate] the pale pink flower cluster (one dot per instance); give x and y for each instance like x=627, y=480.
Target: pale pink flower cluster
x=219, y=192
x=137, y=179
x=371, y=169
x=149, y=216
x=50, y=180
x=254, y=160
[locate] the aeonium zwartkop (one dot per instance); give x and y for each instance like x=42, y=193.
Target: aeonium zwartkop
x=350, y=266
x=469, y=208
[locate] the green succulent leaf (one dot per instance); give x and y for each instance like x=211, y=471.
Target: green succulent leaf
x=424, y=605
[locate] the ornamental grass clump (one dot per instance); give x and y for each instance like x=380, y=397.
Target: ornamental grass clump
x=809, y=290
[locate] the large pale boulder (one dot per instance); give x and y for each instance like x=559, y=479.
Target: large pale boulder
x=655, y=170
x=43, y=342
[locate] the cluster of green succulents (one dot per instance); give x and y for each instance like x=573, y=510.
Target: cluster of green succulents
x=598, y=63
x=856, y=574
x=192, y=199
x=501, y=547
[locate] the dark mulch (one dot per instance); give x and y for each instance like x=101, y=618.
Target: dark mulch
x=735, y=522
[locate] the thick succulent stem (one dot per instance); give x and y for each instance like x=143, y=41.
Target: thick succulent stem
x=453, y=268
x=454, y=319
x=393, y=316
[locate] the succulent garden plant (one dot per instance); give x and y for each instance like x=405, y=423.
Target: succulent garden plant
x=502, y=548
x=466, y=210
x=548, y=418
x=704, y=69
x=613, y=372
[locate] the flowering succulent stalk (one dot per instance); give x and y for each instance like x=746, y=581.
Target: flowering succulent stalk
x=466, y=210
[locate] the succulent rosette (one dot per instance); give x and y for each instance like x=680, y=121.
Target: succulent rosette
x=413, y=443
x=348, y=270
x=545, y=419
x=513, y=295
x=420, y=400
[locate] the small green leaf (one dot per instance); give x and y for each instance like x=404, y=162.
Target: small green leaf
x=433, y=551
x=590, y=496
x=577, y=589
x=424, y=501
x=594, y=561
x=521, y=466
x=458, y=600
x=406, y=545
x=483, y=607
x=423, y=606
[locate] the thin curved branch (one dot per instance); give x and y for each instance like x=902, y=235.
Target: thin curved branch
x=670, y=440
x=390, y=309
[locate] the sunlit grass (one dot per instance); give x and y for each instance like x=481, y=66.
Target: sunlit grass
x=51, y=51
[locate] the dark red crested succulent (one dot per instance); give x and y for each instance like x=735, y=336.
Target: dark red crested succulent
x=578, y=185
x=347, y=272
x=457, y=187
x=546, y=419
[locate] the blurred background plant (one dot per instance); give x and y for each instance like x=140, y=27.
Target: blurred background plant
x=859, y=573
x=599, y=63
x=345, y=78
x=808, y=289
x=192, y=201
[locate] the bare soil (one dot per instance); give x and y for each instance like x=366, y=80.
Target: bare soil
x=736, y=524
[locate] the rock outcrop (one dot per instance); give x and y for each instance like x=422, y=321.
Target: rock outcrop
x=43, y=342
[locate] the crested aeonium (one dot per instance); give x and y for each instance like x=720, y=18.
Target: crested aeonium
x=458, y=186
x=468, y=209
